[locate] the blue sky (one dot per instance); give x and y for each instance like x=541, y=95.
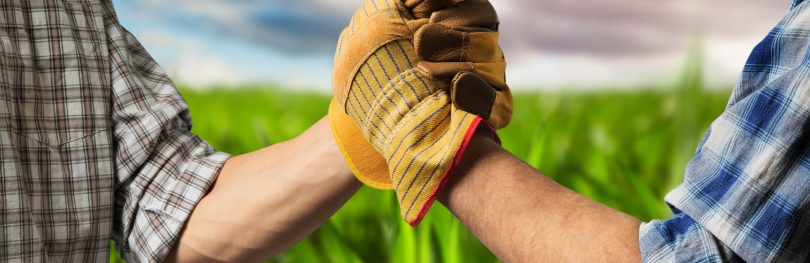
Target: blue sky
x=548, y=43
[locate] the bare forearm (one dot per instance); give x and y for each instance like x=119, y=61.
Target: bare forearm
x=523, y=216
x=266, y=201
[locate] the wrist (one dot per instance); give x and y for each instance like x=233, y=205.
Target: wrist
x=482, y=146
x=321, y=150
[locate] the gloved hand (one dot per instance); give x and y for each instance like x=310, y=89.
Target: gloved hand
x=413, y=79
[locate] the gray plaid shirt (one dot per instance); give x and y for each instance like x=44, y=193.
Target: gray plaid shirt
x=94, y=139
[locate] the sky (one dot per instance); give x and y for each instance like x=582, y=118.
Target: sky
x=549, y=44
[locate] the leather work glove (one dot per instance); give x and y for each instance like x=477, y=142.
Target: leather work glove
x=413, y=80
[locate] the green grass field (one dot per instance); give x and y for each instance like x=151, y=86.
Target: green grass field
x=623, y=149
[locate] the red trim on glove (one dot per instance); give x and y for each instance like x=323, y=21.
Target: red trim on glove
x=456, y=160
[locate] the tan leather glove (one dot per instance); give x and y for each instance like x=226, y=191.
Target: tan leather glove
x=413, y=80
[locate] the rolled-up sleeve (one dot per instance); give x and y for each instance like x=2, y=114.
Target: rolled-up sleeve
x=162, y=169
x=746, y=193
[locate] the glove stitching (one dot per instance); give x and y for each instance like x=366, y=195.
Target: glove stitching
x=464, y=43
x=366, y=133
x=408, y=117
x=392, y=85
x=375, y=108
x=371, y=107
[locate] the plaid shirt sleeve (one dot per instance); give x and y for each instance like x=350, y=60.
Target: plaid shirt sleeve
x=745, y=194
x=163, y=169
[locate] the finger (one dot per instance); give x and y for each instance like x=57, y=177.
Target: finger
x=467, y=14
x=437, y=43
x=492, y=73
x=359, y=40
x=443, y=70
x=424, y=8
x=473, y=94
x=502, y=109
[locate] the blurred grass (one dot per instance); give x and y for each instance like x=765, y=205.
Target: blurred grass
x=623, y=149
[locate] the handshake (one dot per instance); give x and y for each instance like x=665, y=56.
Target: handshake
x=413, y=81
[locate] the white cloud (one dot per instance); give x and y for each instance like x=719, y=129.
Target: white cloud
x=559, y=43
x=165, y=41
x=204, y=71
x=549, y=43
x=302, y=26
x=724, y=59
x=555, y=71
x=629, y=27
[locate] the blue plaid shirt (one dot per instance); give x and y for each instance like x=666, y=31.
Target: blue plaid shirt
x=745, y=194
